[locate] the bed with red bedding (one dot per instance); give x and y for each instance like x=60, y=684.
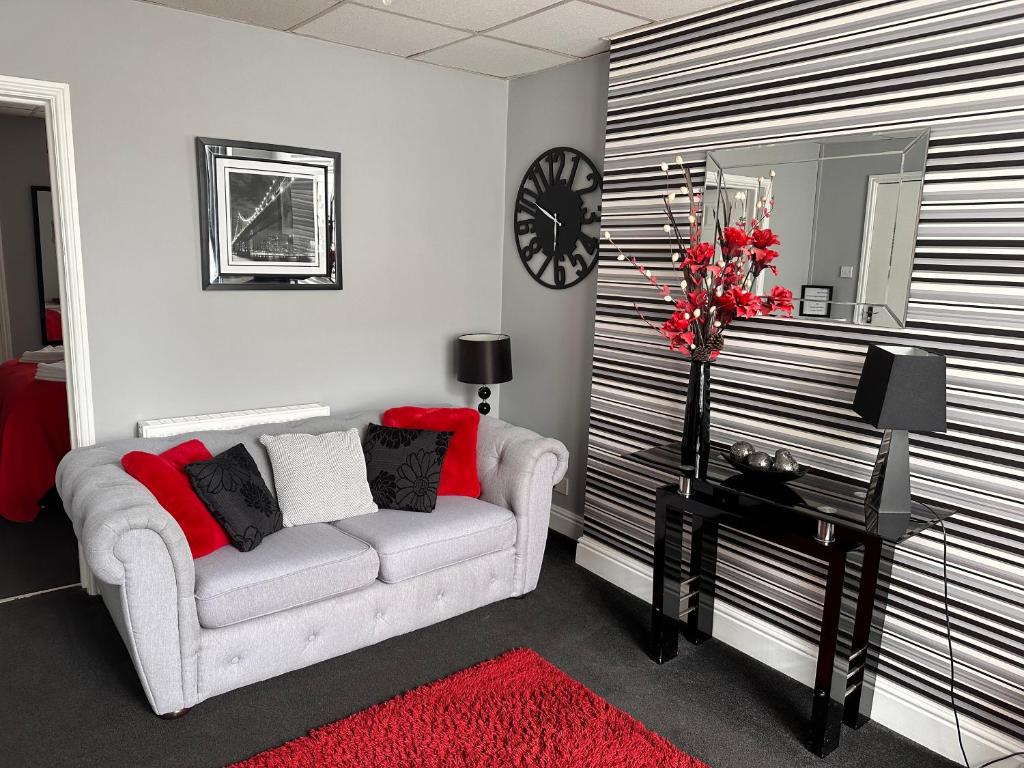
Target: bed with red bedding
x=34, y=437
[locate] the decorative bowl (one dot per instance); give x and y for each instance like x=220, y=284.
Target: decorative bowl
x=767, y=474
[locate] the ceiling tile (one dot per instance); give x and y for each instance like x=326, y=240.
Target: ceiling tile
x=575, y=28
x=476, y=15
x=276, y=14
x=662, y=9
x=378, y=31
x=493, y=57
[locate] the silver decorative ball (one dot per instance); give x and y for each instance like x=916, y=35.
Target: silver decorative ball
x=786, y=464
x=759, y=460
x=783, y=453
x=741, y=450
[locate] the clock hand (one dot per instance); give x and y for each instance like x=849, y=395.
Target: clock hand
x=545, y=212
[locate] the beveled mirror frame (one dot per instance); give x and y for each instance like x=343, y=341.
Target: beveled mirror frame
x=716, y=168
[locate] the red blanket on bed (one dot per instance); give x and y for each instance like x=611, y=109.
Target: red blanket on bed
x=34, y=436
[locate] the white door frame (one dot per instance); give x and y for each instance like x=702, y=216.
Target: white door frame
x=874, y=181
x=55, y=98
x=6, y=343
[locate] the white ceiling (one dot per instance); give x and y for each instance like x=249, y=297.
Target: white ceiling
x=503, y=38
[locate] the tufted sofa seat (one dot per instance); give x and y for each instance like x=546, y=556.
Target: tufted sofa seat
x=410, y=544
x=199, y=628
x=293, y=567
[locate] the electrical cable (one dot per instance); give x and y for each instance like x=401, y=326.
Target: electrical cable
x=949, y=643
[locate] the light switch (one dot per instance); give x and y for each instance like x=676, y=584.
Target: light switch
x=846, y=271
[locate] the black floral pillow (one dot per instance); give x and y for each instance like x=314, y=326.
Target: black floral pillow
x=403, y=466
x=231, y=487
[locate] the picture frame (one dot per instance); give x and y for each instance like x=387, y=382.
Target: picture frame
x=815, y=301
x=269, y=216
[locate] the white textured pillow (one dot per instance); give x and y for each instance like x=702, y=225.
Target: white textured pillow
x=319, y=478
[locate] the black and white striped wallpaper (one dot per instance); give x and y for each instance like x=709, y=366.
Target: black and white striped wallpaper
x=785, y=69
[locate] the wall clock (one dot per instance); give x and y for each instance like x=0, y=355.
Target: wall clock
x=557, y=217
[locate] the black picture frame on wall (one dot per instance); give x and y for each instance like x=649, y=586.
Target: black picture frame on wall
x=269, y=216
x=815, y=301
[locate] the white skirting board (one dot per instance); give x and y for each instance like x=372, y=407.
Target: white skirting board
x=566, y=522
x=894, y=706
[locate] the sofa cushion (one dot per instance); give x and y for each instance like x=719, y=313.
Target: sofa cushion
x=231, y=487
x=410, y=543
x=320, y=478
x=165, y=477
x=404, y=466
x=292, y=567
x=459, y=472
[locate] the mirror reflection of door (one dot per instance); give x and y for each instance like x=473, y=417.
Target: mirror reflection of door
x=890, y=226
x=46, y=266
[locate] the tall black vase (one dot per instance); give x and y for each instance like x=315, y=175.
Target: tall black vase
x=696, y=425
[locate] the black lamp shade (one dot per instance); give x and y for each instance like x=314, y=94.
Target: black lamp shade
x=484, y=358
x=902, y=388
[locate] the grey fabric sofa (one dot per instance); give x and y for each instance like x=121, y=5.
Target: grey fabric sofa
x=195, y=629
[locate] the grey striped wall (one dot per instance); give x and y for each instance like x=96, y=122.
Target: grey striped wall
x=785, y=69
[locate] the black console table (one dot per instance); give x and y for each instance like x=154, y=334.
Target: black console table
x=819, y=515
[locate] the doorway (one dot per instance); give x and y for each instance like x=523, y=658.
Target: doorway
x=890, y=226
x=45, y=393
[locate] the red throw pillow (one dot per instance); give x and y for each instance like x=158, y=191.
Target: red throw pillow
x=165, y=477
x=458, y=472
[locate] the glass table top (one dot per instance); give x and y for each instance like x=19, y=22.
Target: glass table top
x=817, y=494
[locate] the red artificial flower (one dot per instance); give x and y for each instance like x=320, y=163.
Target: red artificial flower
x=738, y=303
x=780, y=300
x=732, y=275
x=763, y=238
x=763, y=258
x=677, y=330
x=699, y=256
x=734, y=239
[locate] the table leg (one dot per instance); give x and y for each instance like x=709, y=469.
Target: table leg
x=830, y=684
x=867, y=590
x=700, y=620
x=668, y=552
x=858, y=708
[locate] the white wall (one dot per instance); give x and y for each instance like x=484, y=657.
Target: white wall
x=552, y=331
x=23, y=164
x=423, y=209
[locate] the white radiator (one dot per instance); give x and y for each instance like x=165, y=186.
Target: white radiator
x=230, y=419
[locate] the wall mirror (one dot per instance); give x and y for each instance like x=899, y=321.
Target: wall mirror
x=845, y=209
x=46, y=266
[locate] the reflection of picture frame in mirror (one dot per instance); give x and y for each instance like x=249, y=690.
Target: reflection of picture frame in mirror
x=815, y=301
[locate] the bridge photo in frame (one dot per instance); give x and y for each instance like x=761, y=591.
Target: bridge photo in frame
x=269, y=216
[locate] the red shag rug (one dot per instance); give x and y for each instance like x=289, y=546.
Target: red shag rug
x=515, y=710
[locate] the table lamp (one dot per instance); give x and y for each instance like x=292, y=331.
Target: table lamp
x=484, y=358
x=901, y=389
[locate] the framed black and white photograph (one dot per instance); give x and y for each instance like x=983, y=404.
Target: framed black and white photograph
x=269, y=216
x=815, y=301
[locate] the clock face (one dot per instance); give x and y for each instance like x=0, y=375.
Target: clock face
x=557, y=217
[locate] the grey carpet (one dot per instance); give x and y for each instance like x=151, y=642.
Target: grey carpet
x=37, y=555
x=69, y=695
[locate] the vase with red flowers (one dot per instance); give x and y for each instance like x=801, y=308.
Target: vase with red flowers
x=718, y=284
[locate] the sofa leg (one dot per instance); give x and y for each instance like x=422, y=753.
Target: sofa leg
x=175, y=715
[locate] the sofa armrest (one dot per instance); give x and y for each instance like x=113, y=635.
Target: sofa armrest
x=517, y=470
x=145, y=568
x=104, y=503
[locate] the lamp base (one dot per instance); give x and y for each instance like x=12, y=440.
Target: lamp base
x=887, y=506
x=484, y=406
